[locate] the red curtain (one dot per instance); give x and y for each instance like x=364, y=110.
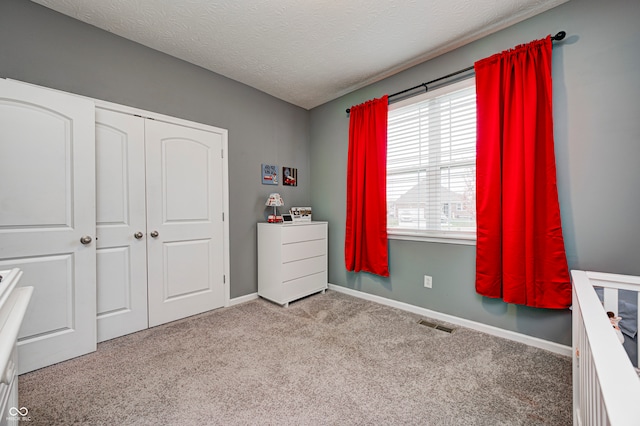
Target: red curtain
x=520, y=249
x=365, y=246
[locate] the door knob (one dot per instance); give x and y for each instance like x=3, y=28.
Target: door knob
x=138, y=235
x=86, y=240
x=154, y=234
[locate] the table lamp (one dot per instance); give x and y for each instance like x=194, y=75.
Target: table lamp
x=274, y=200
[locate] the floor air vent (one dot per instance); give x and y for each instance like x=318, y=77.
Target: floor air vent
x=436, y=326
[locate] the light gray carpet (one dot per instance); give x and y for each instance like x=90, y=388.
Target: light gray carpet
x=326, y=360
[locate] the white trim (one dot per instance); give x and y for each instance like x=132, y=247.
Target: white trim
x=242, y=299
x=415, y=236
x=489, y=329
x=156, y=116
x=125, y=109
x=225, y=212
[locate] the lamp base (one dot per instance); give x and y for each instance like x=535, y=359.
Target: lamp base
x=274, y=219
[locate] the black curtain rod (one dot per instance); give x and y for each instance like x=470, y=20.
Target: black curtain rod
x=561, y=35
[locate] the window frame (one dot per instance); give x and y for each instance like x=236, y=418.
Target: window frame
x=448, y=237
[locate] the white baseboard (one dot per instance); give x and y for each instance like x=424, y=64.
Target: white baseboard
x=242, y=299
x=489, y=329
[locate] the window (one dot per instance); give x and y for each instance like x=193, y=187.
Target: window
x=431, y=165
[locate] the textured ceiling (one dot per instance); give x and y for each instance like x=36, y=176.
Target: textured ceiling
x=304, y=52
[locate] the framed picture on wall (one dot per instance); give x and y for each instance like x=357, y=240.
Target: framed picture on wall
x=289, y=176
x=269, y=174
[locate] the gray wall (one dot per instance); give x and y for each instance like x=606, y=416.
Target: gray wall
x=46, y=48
x=597, y=135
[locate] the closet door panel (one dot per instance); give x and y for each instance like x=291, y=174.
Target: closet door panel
x=47, y=205
x=187, y=187
x=187, y=268
x=184, y=212
x=121, y=224
x=113, y=265
x=55, y=297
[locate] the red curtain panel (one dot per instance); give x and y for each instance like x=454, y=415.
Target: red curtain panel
x=520, y=253
x=365, y=246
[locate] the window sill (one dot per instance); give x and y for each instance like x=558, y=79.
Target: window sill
x=461, y=239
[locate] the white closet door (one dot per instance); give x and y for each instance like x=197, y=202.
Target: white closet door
x=184, y=221
x=121, y=224
x=47, y=205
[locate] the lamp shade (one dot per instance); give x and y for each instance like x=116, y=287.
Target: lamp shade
x=274, y=200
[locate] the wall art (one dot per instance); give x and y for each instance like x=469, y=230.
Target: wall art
x=289, y=176
x=269, y=174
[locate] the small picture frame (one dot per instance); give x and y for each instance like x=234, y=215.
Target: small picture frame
x=301, y=214
x=289, y=176
x=269, y=174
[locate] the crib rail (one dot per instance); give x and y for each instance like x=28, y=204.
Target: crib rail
x=606, y=389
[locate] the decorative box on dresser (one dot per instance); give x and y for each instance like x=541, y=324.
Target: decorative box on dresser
x=292, y=260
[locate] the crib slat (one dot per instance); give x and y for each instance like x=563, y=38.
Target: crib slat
x=601, y=366
x=611, y=300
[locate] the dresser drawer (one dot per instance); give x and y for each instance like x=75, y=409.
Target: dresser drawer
x=303, y=250
x=297, y=233
x=304, y=286
x=304, y=267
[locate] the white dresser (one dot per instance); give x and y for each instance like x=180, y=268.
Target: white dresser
x=292, y=260
x=13, y=305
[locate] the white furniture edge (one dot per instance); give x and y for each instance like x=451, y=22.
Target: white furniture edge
x=489, y=329
x=9, y=280
x=605, y=384
x=20, y=298
x=10, y=335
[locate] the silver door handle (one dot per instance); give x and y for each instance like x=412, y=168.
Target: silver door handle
x=154, y=234
x=138, y=235
x=86, y=240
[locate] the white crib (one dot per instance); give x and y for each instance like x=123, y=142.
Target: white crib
x=606, y=387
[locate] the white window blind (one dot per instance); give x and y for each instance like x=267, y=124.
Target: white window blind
x=431, y=153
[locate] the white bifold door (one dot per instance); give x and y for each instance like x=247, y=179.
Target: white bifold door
x=184, y=221
x=115, y=219
x=163, y=260
x=120, y=225
x=48, y=218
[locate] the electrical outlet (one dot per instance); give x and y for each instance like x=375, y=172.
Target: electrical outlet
x=428, y=281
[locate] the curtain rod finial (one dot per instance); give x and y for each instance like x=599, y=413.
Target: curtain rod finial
x=560, y=36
